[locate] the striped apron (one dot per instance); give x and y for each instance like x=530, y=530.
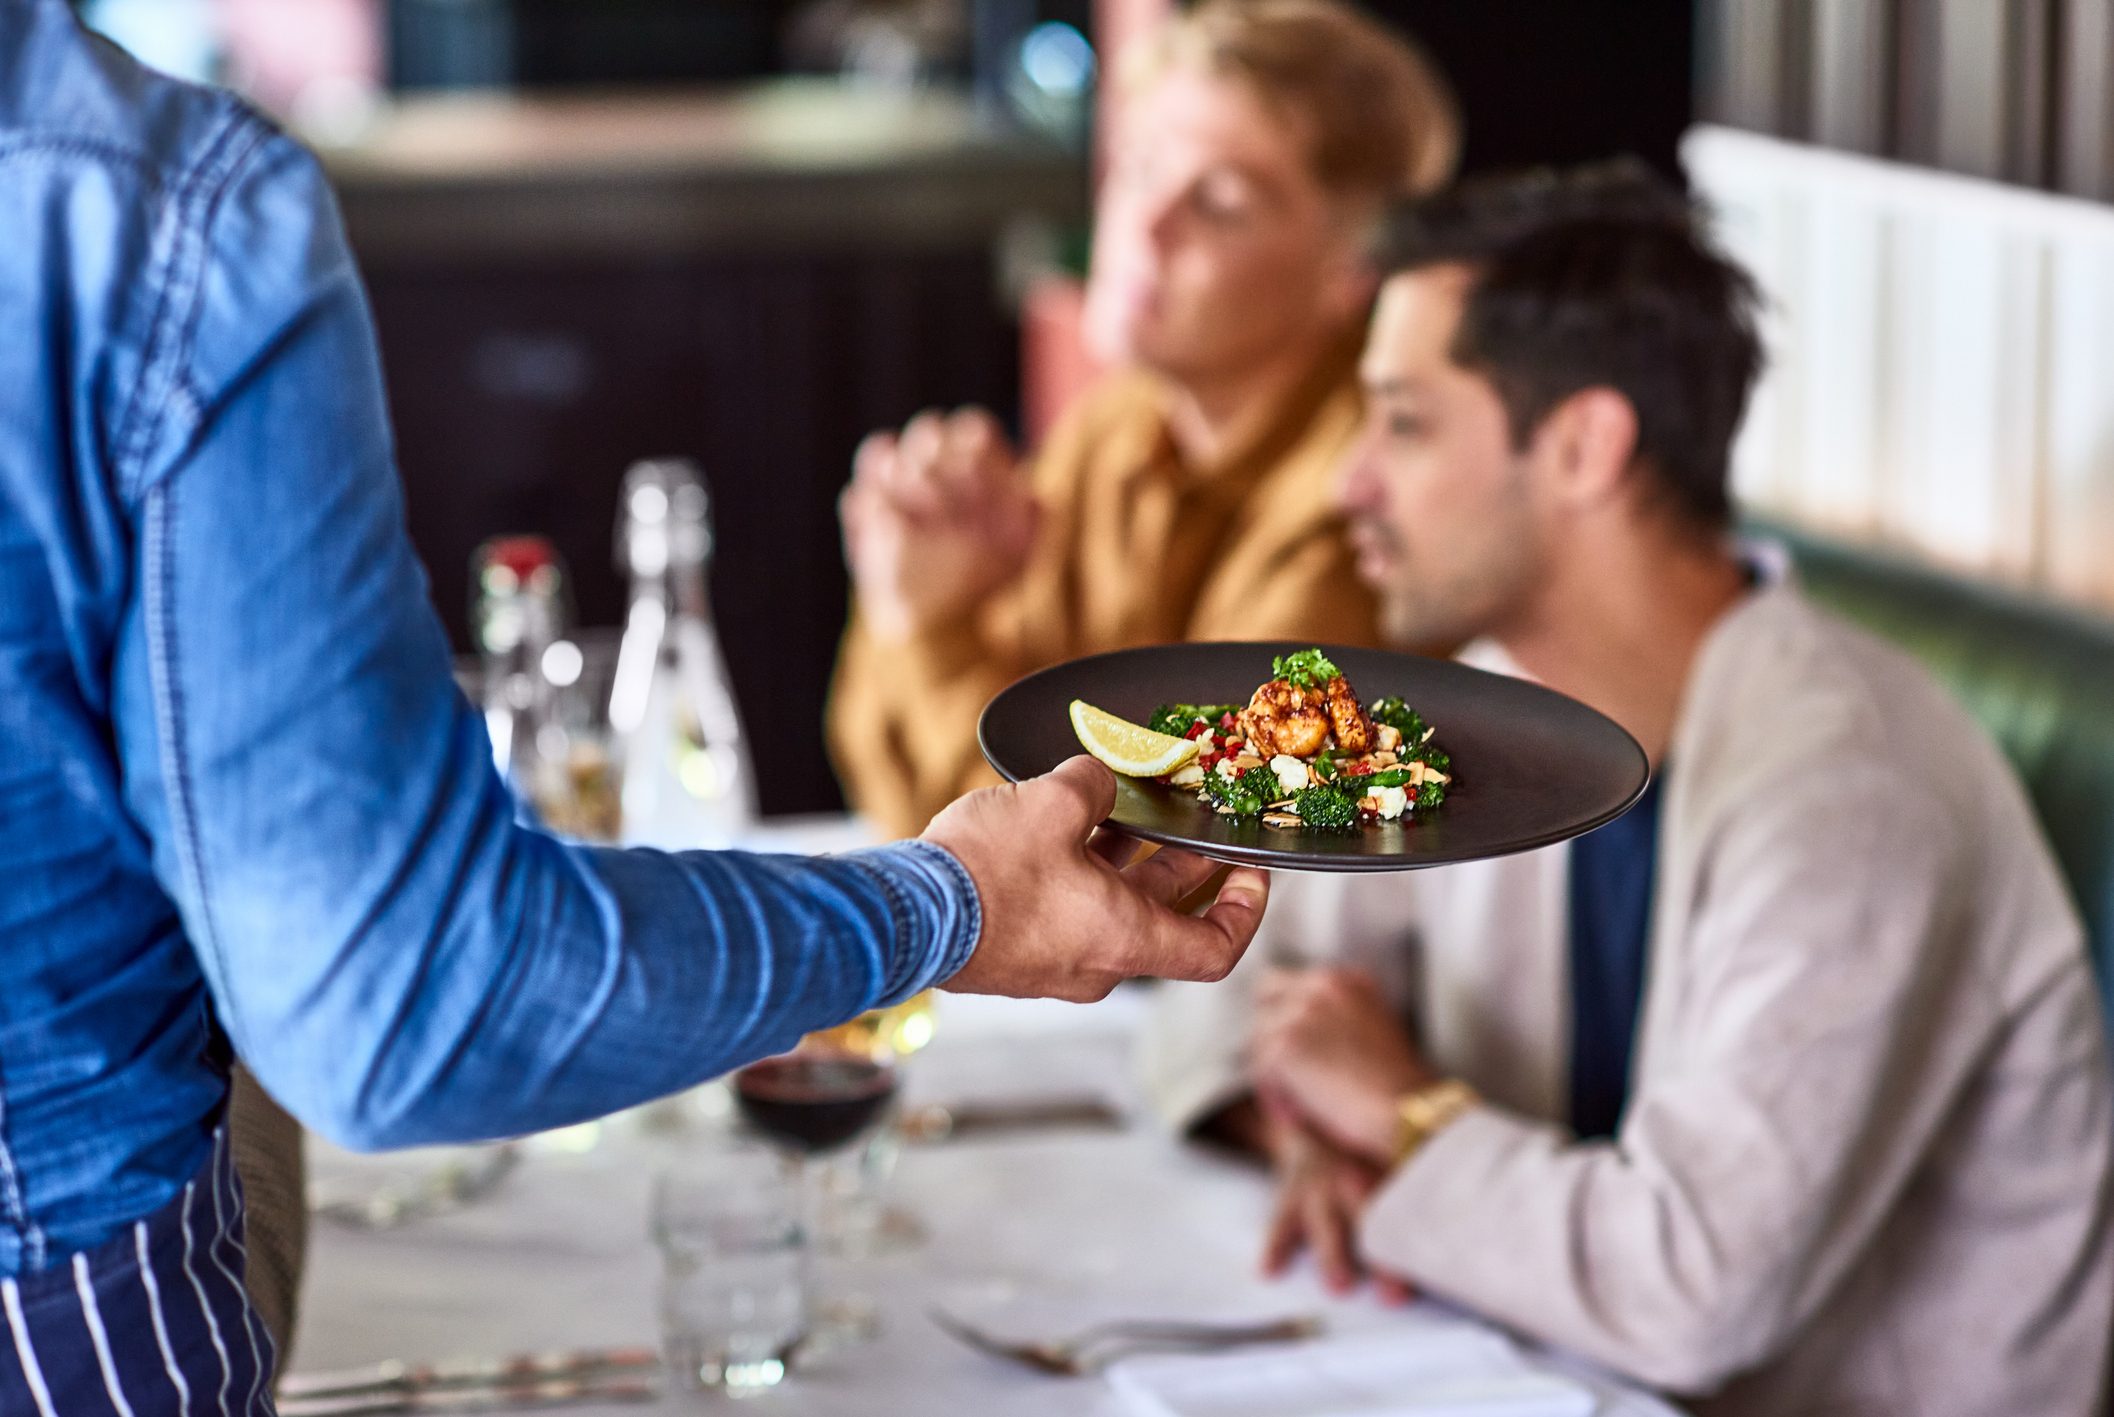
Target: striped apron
x=155, y=1321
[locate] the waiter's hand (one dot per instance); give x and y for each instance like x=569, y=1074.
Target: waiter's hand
x=1329, y=1044
x=936, y=519
x=1065, y=914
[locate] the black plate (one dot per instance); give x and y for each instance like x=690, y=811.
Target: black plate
x=1530, y=766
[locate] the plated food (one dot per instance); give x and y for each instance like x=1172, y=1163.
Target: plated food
x=1533, y=768
x=1304, y=753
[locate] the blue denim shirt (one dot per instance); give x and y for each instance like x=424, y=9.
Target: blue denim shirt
x=236, y=779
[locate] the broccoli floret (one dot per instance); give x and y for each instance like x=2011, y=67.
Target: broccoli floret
x=1330, y=806
x=1431, y=794
x=1177, y=719
x=1245, y=795
x=1309, y=668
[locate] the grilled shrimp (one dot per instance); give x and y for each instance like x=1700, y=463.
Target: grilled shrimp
x=1285, y=718
x=1354, y=731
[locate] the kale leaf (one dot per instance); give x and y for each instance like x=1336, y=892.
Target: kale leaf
x=1177, y=719
x=1401, y=717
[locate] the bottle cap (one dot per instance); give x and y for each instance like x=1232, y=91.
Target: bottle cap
x=517, y=590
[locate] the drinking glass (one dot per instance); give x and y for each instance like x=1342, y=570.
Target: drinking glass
x=733, y=1298
x=575, y=789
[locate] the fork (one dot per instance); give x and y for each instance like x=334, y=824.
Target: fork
x=1092, y=1349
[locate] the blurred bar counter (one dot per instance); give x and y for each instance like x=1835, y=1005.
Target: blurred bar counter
x=752, y=277
x=789, y=165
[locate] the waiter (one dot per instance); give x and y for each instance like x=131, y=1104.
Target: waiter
x=240, y=794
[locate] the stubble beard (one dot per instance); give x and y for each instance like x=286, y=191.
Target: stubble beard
x=1431, y=606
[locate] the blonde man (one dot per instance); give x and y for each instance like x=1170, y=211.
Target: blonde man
x=1187, y=495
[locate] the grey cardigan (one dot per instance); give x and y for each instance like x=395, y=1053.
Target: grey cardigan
x=1865, y=1166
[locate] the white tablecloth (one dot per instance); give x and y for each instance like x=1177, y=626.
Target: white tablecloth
x=1097, y=1221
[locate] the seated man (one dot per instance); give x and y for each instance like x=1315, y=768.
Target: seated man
x=1187, y=496
x=1787, y=1090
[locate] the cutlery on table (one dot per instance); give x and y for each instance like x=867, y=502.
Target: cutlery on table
x=934, y=1122
x=460, y=1182
x=1091, y=1349
x=474, y=1384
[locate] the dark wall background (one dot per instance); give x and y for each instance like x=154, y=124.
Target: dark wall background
x=521, y=395
x=1561, y=81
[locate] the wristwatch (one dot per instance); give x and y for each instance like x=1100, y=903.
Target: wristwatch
x=1419, y=1114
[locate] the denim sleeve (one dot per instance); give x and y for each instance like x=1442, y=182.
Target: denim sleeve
x=396, y=957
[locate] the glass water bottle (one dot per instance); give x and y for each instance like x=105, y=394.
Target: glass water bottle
x=688, y=779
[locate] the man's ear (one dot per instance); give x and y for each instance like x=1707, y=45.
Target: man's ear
x=1589, y=442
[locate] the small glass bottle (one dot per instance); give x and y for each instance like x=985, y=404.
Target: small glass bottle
x=517, y=613
x=688, y=780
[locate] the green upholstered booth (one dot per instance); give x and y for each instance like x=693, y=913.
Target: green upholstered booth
x=2039, y=676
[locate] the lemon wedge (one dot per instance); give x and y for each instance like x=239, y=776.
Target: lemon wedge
x=1131, y=749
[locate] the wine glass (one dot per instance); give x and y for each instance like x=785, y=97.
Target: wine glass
x=855, y=1217
x=820, y=1099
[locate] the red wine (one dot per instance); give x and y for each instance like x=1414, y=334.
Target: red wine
x=816, y=1102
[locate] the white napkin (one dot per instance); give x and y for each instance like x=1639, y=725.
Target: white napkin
x=1425, y=1368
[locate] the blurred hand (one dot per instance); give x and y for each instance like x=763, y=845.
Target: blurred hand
x=1331, y=1047
x=935, y=519
x=1322, y=1190
x=1065, y=915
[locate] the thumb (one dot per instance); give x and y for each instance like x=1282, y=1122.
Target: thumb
x=1075, y=797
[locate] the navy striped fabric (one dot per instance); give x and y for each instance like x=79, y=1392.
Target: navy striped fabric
x=153, y=1322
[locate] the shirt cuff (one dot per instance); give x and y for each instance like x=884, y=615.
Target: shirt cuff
x=938, y=917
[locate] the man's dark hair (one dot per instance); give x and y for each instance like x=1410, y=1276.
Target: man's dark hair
x=1600, y=277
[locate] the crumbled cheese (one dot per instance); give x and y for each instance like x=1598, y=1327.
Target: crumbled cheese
x=1388, y=802
x=1189, y=774
x=1225, y=768
x=1291, y=773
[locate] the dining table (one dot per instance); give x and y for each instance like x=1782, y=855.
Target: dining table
x=1056, y=1203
